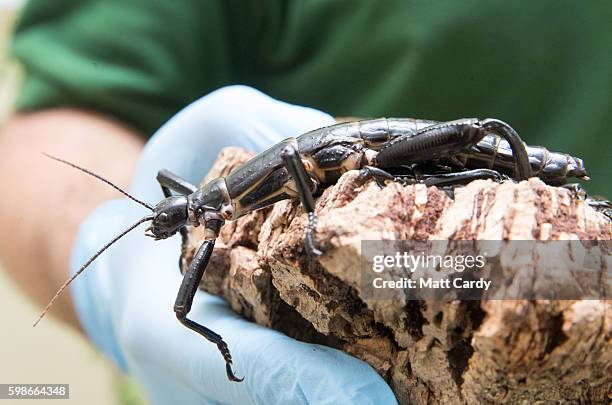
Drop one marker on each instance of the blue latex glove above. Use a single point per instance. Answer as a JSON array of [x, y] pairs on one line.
[[125, 299]]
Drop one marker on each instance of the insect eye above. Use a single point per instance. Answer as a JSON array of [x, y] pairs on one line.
[[163, 217]]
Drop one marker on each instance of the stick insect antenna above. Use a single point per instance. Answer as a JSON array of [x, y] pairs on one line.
[[97, 176], [91, 259]]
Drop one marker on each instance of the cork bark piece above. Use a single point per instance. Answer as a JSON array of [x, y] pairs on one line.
[[430, 352]]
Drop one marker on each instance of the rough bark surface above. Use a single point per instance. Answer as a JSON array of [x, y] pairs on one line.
[[430, 352]]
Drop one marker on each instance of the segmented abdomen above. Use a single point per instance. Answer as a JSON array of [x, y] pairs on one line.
[[552, 167]]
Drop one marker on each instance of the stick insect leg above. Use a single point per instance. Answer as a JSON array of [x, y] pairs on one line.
[[168, 182], [379, 175], [174, 182], [184, 299], [598, 204], [448, 179], [437, 179], [294, 165], [522, 166], [182, 231]]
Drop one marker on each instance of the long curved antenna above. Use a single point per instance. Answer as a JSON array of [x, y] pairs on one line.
[[91, 259], [125, 193]]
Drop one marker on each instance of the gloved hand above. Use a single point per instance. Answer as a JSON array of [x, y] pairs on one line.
[[125, 299]]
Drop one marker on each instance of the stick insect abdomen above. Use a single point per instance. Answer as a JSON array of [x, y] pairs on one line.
[[495, 153]]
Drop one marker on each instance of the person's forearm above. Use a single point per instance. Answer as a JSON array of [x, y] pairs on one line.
[[43, 202]]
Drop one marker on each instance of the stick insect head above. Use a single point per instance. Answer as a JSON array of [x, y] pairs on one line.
[[169, 216]]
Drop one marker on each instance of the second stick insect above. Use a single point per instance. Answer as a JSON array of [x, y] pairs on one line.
[[297, 168]]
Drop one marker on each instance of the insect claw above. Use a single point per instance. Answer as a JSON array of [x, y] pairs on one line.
[[314, 251], [310, 230], [230, 373]]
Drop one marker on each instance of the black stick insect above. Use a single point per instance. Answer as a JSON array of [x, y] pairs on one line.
[[297, 168]]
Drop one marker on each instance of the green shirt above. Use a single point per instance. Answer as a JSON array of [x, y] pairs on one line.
[[545, 67]]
